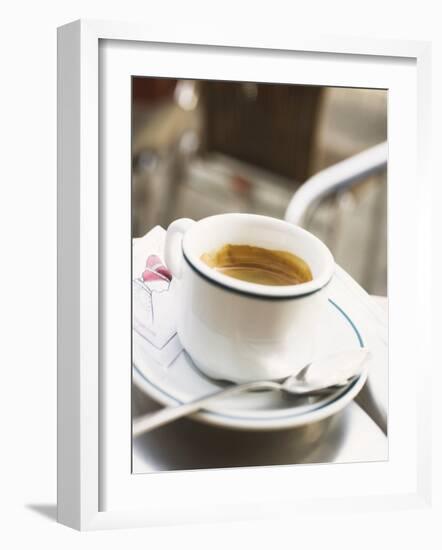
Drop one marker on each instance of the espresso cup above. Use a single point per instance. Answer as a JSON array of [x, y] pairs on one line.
[[237, 330]]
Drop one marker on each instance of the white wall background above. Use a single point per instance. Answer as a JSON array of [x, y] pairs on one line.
[[28, 263]]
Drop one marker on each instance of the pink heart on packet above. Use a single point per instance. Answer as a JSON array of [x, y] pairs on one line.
[[155, 270]]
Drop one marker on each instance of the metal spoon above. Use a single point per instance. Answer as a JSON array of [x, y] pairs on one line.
[[323, 375]]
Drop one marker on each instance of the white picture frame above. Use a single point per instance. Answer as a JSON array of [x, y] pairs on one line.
[[95, 487]]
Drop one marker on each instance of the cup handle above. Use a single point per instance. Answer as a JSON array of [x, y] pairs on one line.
[[173, 252]]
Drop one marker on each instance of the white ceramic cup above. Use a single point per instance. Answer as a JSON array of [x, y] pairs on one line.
[[236, 330]]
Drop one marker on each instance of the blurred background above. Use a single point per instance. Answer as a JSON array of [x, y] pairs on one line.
[[206, 147]]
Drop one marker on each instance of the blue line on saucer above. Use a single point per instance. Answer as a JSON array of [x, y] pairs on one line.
[[358, 334], [222, 415]]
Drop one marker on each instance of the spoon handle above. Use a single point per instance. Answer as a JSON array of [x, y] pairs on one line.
[[154, 420]]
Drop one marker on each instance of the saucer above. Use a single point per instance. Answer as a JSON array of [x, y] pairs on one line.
[[181, 381]]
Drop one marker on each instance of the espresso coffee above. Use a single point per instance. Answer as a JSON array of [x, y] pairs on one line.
[[259, 265]]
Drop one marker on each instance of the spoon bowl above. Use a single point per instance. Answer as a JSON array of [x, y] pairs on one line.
[[333, 371]]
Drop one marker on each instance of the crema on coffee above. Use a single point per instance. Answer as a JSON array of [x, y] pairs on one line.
[[258, 265]]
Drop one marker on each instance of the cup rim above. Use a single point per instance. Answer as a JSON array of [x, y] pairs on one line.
[[256, 290]]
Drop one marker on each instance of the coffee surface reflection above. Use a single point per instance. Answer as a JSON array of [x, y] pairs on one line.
[[258, 265]]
